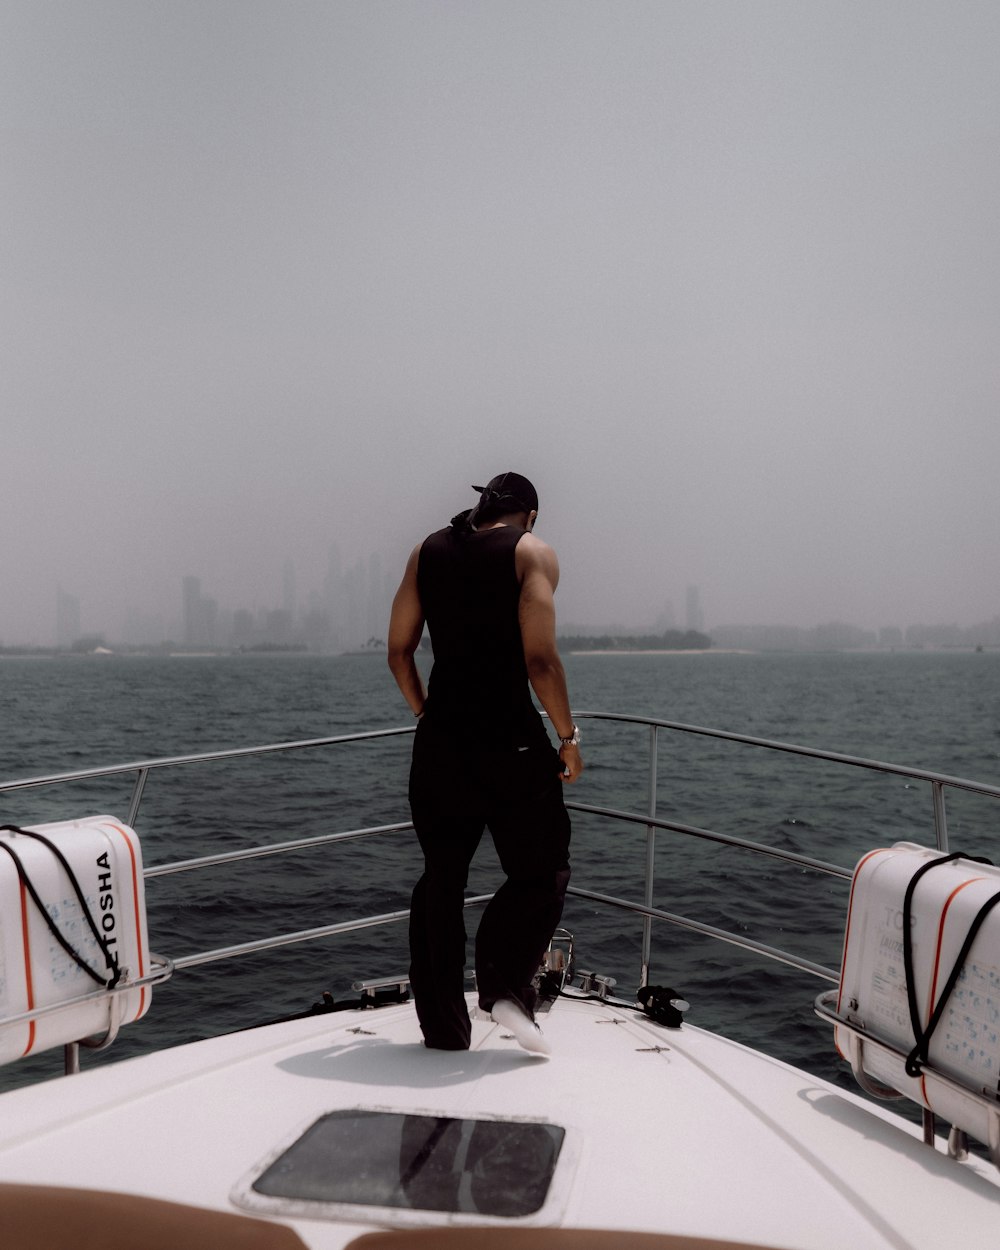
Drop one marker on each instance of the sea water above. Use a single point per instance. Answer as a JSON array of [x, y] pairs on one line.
[[939, 711]]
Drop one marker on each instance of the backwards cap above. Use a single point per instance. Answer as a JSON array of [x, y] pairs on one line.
[[508, 488]]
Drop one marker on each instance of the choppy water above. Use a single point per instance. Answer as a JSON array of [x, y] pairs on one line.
[[937, 711]]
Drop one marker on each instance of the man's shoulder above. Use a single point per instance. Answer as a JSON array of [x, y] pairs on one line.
[[534, 555], [533, 547]]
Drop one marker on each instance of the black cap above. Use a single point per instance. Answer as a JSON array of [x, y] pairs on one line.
[[508, 488]]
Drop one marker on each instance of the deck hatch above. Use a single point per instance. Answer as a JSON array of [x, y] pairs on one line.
[[405, 1161]]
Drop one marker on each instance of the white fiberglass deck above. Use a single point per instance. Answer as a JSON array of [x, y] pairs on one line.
[[670, 1131]]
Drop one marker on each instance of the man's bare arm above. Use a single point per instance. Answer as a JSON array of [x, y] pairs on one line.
[[406, 627], [538, 569]]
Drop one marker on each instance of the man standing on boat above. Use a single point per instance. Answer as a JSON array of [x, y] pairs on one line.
[[482, 757]]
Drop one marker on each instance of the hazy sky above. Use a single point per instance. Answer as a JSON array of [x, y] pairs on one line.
[[722, 278]]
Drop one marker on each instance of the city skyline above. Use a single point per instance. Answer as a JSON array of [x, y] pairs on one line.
[[349, 609]]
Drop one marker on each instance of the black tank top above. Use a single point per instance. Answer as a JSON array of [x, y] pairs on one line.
[[469, 592]]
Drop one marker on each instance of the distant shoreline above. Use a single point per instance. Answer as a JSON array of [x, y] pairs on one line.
[[660, 651], [107, 653]]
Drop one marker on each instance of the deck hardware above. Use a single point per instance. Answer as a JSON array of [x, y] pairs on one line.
[[369, 987], [958, 1143], [556, 970], [663, 1004], [363, 1032], [653, 1050], [594, 983], [383, 992]]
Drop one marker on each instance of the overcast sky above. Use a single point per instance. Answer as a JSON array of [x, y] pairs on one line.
[[722, 278]]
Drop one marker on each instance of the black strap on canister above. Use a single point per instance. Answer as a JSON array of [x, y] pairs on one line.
[[107, 983], [919, 1055]]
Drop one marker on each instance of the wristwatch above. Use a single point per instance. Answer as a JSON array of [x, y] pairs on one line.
[[573, 741]]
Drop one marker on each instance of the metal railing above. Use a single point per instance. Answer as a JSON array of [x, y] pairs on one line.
[[648, 819], [938, 782]]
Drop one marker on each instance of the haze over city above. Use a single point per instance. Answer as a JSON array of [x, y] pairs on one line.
[[722, 279]]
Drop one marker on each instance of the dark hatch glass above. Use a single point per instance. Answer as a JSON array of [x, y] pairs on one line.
[[498, 1168]]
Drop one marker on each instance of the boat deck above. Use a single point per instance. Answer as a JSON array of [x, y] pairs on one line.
[[702, 1137]]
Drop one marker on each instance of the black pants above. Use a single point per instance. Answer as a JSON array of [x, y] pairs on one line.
[[457, 789]]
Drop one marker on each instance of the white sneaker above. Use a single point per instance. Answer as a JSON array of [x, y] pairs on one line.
[[515, 1019]]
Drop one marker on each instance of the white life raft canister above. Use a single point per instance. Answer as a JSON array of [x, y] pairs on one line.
[[100, 859], [951, 898]]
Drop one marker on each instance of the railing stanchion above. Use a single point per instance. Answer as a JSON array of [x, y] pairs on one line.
[[940, 816], [71, 1058], [137, 789], [647, 921]]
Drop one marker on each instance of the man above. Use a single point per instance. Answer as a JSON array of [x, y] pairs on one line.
[[482, 758]]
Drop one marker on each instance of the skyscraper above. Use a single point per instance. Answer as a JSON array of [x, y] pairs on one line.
[[199, 615], [67, 618], [694, 618]]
